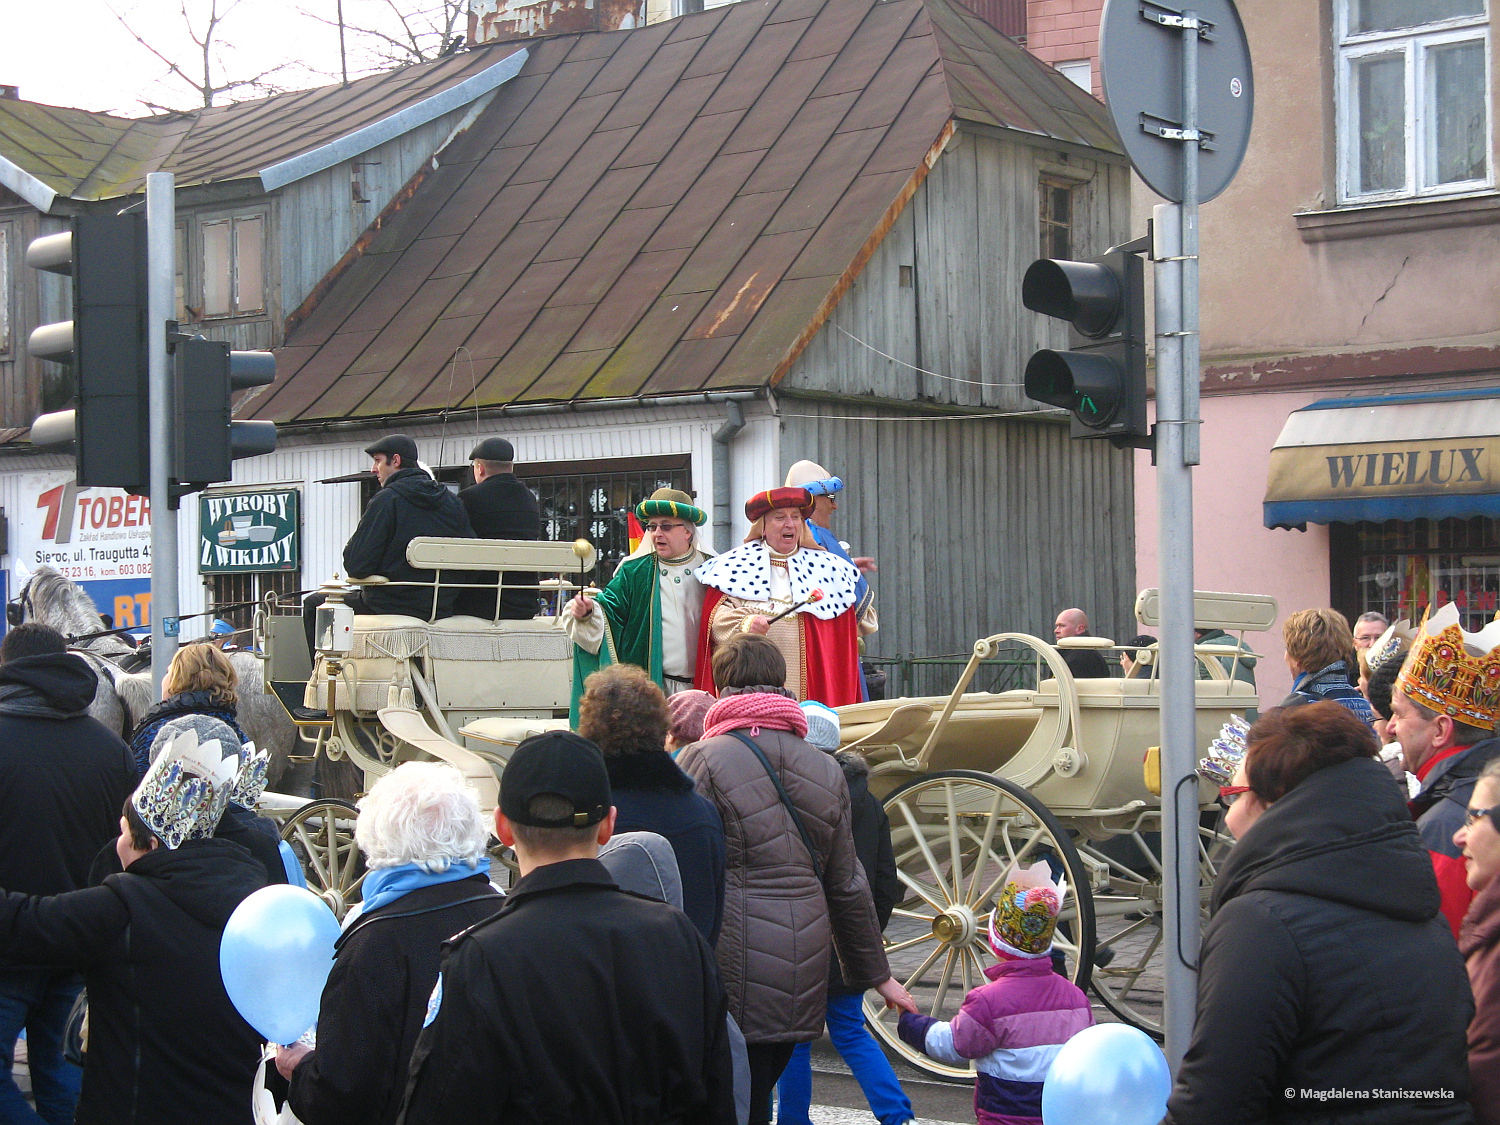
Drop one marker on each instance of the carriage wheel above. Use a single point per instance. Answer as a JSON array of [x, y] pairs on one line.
[[956, 835], [321, 835], [1129, 920]]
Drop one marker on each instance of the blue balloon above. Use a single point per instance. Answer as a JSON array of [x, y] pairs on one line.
[[1108, 1074], [274, 958]]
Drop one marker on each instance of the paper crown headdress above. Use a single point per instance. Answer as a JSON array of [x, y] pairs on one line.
[[1453, 672], [1026, 914], [184, 792], [1226, 752], [1390, 645], [251, 781]]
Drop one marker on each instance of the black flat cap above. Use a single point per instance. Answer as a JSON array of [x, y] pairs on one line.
[[556, 764], [396, 444], [493, 449]]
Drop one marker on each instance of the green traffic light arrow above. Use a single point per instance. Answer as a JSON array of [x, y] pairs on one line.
[[1086, 405]]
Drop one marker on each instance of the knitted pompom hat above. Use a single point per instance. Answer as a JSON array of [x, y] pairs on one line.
[[822, 725]]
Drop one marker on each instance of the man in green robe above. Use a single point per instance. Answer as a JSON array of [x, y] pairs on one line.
[[648, 614]]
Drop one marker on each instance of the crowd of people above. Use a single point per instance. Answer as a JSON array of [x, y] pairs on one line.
[[702, 877]]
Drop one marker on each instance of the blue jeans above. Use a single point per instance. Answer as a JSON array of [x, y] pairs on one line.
[[39, 1001], [872, 1070]]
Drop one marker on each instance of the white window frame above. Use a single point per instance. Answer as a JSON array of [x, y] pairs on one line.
[[1414, 44]]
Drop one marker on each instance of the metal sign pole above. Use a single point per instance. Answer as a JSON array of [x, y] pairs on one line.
[[161, 231], [1176, 453]]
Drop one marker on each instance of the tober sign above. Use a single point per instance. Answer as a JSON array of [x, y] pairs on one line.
[[98, 537]]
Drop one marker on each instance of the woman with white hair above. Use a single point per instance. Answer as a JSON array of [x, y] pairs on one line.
[[424, 839]]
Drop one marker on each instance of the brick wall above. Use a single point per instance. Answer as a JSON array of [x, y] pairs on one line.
[[1065, 30]]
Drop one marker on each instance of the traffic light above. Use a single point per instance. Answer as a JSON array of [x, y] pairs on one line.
[[105, 343], [206, 375], [1101, 379]]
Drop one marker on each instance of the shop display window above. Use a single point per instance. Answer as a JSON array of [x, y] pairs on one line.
[[1403, 568]]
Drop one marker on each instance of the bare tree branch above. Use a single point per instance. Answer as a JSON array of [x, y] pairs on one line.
[[208, 42]]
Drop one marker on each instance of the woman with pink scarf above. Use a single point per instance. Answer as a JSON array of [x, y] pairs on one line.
[[795, 887]]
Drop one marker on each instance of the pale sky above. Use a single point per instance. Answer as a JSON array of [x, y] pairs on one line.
[[76, 53]]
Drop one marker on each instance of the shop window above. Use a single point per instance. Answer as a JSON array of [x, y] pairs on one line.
[[234, 597], [233, 263], [1413, 98], [1405, 568], [1056, 219], [593, 499]]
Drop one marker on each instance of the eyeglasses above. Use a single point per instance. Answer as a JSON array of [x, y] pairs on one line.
[[664, 526], [1493, 812], [1229, 794]]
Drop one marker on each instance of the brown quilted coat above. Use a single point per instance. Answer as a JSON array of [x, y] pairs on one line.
[[774, 945]]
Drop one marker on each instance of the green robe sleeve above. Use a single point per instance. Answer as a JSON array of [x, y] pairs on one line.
[[631, 604]]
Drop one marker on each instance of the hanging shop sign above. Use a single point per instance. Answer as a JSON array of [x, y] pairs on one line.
[[248, 532]]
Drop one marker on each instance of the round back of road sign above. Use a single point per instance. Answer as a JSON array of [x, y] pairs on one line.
[[1140, 59]]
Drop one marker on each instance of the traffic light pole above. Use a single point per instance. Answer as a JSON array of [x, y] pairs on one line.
[[161, 236], [1176, 251]]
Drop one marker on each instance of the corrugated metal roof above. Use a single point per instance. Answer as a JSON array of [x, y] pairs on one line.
[[662, 210], [87, 156]]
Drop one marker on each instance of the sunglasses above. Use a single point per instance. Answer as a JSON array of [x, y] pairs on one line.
[[1229, 794], [1493, 812], [664, 526]]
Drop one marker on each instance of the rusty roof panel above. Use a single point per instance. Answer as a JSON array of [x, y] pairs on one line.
[[747, 286], [726, 241], [754, 71], [724, 47], [667, 209], [871, 44], [478, 191], [654, 83], [838, 240], [627, 370], [610, 255], [630, 55], [705, 200], [671, 177], [764, 123], [827, 178], [789, 157], [564, 377], [618, 313], [687, 366], [591, 217]]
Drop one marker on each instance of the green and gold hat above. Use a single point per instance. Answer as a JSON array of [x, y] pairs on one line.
[[672, 503]]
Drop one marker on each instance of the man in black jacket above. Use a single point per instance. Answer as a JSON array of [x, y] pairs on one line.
[[577, 1001], [500, 507], [63, 778], [410, 503]]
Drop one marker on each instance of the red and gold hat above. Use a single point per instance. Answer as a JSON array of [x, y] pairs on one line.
[[1453, 672], [763, 503]]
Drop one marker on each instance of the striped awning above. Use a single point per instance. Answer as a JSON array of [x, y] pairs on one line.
[[1387, 457]]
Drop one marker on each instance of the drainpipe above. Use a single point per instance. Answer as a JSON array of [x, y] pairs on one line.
[[734, 422]]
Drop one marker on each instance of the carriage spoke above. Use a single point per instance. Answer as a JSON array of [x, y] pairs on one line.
[[902, 912], [924, 966], [920, 839], [922, 891], [942, 989], [955, 861], [311, 850], [908, 944]]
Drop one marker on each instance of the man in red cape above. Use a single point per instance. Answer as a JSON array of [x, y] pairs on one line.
[[781, 567]]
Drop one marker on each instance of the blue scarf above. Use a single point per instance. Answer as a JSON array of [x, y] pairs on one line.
[[385, 885]]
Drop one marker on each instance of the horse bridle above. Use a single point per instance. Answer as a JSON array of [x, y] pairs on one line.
[[17, 608]]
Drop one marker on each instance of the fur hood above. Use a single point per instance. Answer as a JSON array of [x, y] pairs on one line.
[[653, 771], [854, 766]]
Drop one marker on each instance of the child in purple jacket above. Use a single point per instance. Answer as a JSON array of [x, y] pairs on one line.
[[1014, 1026]]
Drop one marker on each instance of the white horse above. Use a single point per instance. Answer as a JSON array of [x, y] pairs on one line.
[[123, 698]]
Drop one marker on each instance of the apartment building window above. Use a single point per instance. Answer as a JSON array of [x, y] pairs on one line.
[[233, 263], [1056, 218], [1413, 98]]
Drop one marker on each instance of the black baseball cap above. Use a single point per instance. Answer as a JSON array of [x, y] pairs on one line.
[[396, 444], [493, 449], [558, 764]]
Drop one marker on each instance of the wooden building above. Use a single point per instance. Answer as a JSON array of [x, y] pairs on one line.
[[697, 251]]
